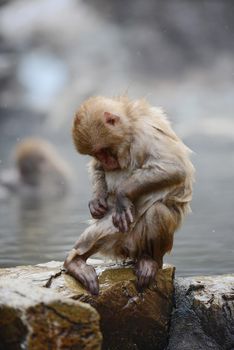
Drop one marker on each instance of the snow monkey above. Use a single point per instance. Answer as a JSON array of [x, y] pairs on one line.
[[39, 170], [142, 184]]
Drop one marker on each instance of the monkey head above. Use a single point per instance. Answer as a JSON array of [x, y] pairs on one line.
[[37, 159], [30, 159], [102, 129]]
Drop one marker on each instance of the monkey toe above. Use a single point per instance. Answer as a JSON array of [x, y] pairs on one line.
[[146, 270], [144, 280], [90, 279], [83, 273], [93, 286]]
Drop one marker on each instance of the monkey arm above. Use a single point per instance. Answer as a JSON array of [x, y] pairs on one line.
[[152, 177], [98, 204], [149, 178]]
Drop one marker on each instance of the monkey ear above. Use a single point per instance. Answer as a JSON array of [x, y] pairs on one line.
[[111, 119], [77, 119]]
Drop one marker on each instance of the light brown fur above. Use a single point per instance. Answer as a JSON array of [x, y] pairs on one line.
[[39, 171], [147, 196]]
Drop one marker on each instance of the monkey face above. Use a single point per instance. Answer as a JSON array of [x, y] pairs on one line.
[[109, 161], [100, 143], [31, 167], [99, 130]]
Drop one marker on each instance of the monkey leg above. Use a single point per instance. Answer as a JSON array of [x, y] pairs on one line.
[[151, 238], [147, 243], [101, 235]]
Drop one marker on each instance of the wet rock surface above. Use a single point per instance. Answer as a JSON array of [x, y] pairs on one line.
[[33, 317], [132, 320], [41, 307], [204, 314], [45, 294]]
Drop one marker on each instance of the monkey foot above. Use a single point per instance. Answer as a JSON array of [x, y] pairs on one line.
[[84, 273], [146, 270]]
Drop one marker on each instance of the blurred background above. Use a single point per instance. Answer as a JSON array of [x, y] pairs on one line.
[[178, 54]]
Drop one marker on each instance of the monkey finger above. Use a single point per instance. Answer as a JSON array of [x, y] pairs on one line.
[[129, 216], [97, 214], [94, 205], [124, 223], [103, 203], [92, 208], [98, 208], [120, 224], [115, 219]]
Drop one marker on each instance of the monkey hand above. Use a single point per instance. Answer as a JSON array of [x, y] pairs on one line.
[[98, 207], [123, 213]]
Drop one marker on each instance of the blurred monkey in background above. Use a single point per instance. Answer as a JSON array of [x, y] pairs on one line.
[[39, 170]]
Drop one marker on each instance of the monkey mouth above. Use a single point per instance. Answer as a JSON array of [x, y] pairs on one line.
[[108, 159]]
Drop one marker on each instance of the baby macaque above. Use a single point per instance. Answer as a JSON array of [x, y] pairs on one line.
[[142, 184], [39, 170]]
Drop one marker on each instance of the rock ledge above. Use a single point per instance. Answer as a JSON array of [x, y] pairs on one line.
[[43, 308]]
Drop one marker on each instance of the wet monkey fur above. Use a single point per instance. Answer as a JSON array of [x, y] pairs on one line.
[[142, 185]]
